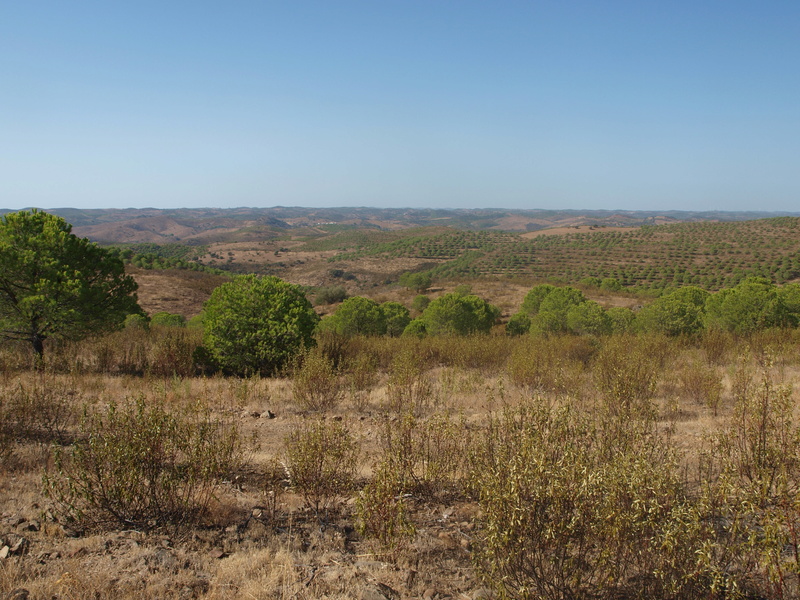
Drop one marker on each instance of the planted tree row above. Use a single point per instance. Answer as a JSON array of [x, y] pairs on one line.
[[706, 254]]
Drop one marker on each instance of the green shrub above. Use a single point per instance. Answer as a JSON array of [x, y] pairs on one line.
[[610, 284], [356, 316], [330, 295], [681, 312], [621, 318], [590, 282], [139, 465], [518, 324], [588, 318], [419, 282], [166, 319], [554, 308], [196, 322], [752, 305], [321, 462], [420, 303], [256, 324], [453, 314], [396, 318], [415, 329], [136, 321], [533, 299]]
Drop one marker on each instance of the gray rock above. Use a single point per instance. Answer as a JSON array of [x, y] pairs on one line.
[[29, 526], [162, 560], [371, 592], [20, 547], [379, 591]]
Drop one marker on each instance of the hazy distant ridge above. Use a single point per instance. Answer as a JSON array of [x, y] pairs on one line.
[[210, 224]]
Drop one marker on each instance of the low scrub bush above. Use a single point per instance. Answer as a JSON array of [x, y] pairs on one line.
[[38, 408], [568, 513], [361, 376], [424, 460], [172, 351], [752, 490], [409, 388], [428, 457], [139, 465], [701, 383], [321, 462], [627, 370], [381, 508], [316, 385], [485, 353], [716, 344], [546, 364], [7, 443]]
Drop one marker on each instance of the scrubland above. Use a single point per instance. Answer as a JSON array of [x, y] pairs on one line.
[[624, 466]]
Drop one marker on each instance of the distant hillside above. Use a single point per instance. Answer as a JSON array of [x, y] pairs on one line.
[[178, 256], [209, 225], [712, 255]]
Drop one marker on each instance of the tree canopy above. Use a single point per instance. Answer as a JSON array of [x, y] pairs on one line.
[[416, 281], [457, 314], [356, 316], [54, 284], [364, 316], [753, 304], [676, 313], [255, 324]]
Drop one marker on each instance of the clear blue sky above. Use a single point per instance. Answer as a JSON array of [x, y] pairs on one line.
[[640, 104]]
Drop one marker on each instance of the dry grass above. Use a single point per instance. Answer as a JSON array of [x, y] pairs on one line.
[[260, 541]]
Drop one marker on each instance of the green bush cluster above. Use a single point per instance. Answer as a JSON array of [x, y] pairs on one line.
[[752, 305], [548, 309], [167, 319], [455, 314], [330, 295], [364, 316]]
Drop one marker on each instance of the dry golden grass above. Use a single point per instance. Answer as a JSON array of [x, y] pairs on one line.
[[259, 541]]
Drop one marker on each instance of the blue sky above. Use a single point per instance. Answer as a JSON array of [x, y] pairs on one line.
[[605, 104]]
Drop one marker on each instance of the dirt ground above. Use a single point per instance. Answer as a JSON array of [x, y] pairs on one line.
[[262, 541]]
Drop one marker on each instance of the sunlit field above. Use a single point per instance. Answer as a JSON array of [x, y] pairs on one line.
[[624, 466]]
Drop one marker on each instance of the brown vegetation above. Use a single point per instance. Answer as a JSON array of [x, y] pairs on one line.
[[638, 467]]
